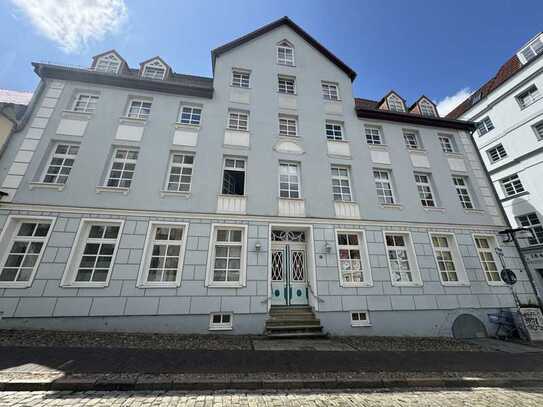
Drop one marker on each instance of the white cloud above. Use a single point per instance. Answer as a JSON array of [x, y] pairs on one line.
[[448, 103], [73, 23]]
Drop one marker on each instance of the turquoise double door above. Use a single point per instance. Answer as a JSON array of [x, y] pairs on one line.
[[289, 273]]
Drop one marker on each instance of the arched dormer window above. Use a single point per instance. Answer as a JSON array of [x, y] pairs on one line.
[[285, 53], [154, 70], [395, 104], [108, 63], [426, 108]]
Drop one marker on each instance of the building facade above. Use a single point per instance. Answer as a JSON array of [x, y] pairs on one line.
[[508, 110], [146, 200]]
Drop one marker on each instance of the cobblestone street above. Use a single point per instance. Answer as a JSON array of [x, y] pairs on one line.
[[529, 397]]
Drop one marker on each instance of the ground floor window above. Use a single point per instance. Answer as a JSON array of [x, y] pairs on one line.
[[226, 265], [352, 258], [448, 258], [486, 246], [401, 259]]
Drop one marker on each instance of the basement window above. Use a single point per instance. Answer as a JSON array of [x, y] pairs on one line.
[[360, 318], [220, 322]]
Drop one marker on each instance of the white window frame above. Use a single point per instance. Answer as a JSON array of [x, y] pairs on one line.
[[125, 161], [286, 124], [466, 187], [80, 241], [369, 133], [191, 122], [241, 78], [340, 178], [427, 109], [364, 258], [237, 117], [328, 92], [360, 322], [447, 143], [222, 326], [412, 143], [286, 48], [512, 185], [140, 115], [91, 99], [244, 170], [500, 154], [484, 125], [395, 103], [530, 225], [8, 236], [182, 165], [336, 129], [382, 180], [148, 252], [64, 157], [110, 60], [460, 269], [493, 243], [538, 130], [533, 50], [411, 257], [528, 96], [152, 69], [421, 185], [289, 190], [289, 85], [211, 256]]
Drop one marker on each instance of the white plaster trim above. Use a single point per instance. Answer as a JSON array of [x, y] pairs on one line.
[[45, 185], [103, 188], [164, 193]]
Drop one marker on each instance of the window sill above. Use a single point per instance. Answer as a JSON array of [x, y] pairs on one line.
[[508, 198], [287, 94], [240, 87], [454, 155], [342, 141], [474, 211], [237, 130], [288, 65], [332, 100], [433, 209], [356, 285], [117, 190], [46, 185], [133, 120], [76, 114], [178, 194], [223, 285], [455, 284], [392, 206], [527, 106], [220, 328], [360, 325], [158, 285], [12, 284], [416, 150], [179, 125], [377, 146], [84, 285], [496, 283], [407, 285]]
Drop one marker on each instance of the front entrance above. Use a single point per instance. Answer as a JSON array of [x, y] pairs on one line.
[[288, 268]]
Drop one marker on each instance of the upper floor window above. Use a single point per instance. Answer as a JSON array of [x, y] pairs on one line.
[[180, 172], [154, 70], [538, 129], [238, 120], [426, 108], [190, 115], [532, 50], [139, 109], [341, 184], [395, 104], [484, 126], [531, 220], [486, 246], [85, 103], [108, 63], [447, 143], [123, 165], [463, 191], [424, 187], [330, 91], [240, 79], [289, 180], [373, 135], [233, 182], [288, 126], [334, 130], [528, 97], [512, 185], [353, 261], [61, 163], [285, 53], [411, 139], [496, 153], [383, 186], [286, 84]]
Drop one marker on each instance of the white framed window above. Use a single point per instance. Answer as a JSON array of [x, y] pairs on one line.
[[411, 139], [360, 318], [240, 78], [164, 253], [123, 165], [286, 84], [227, 255], [383, 186], [373, 135], [108, 64], [463, 191], [426, 108], [61, 162], [330, 91], [512, 185], [496, 153], [401, 259], [190, 115], [447, 143], [139, 109], [448, 259], [180, 172], [395, 104], [532, 221], [484, 126], [538, 129], [220, 321], [85, 103], [529, 96], [154, 70], [285, 53], [238, 120], [24, 240], [289, 180], [532, 49], [353, 258], [424, 188], [334, 130], [233, 181], [341, 183], [93, 255], [288, 126], [486, 249]]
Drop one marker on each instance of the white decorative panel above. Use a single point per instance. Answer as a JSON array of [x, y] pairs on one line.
[[49, 102], [236, 138], [24, 156], [486, 192], [419, 159], [71, 127], [44, 112], [291, 207], [231, 204], [53, 93], [18, 169], [340, 148], [240, 96], [39, 123], [127, 132], [34, 133], [380, 156], [12, 181], [29, 144], [333, 107], [456, 164], [347, 210], [183, 137], [57, 84], [286, 101], [288, 146]]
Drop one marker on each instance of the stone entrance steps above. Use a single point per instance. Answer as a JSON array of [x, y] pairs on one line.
[[293, 322]]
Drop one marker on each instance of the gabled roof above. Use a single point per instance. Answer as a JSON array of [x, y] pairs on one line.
[[154, 58], [111, 51], [296, 28], [419, 99], [390, 92]]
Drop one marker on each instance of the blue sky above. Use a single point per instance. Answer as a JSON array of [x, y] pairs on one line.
[[433, 47]]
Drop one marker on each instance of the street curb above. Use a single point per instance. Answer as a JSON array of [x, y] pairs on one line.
[[80, 384]]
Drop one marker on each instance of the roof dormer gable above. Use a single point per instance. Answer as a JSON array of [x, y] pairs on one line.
[[531, 49], [393, 102], [154, 68], [108, 62], [424, 107]]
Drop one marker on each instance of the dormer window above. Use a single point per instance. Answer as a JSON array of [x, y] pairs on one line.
[[395, 104], [426, 108], [108, 64], [532, 50], [154, 70], [285, 53]]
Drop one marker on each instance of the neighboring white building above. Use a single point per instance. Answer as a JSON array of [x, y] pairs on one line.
[[509, 112]]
